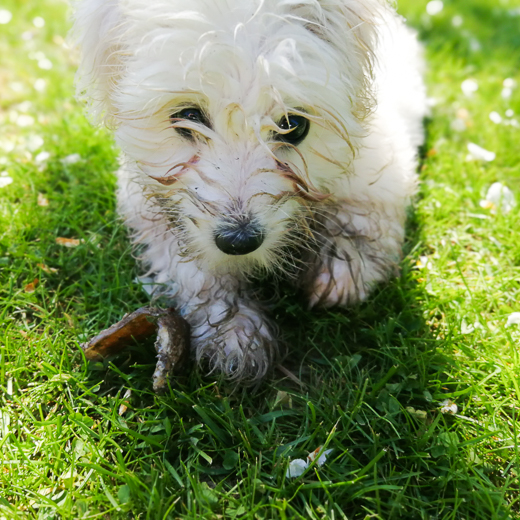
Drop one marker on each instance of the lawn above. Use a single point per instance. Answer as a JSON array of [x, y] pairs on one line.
[[416, 392]]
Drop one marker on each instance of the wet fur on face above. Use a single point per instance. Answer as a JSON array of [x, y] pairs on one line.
[[251, 130]]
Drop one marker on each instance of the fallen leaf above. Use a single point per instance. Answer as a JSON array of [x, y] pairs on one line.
[[124, 406], [420, 414], [283, 400], [70, 321], [31, 287], [171, 344], [69, 242], [42, 200], [47, 269]]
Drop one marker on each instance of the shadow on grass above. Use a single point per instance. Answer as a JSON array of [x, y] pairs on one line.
[[373, 378]]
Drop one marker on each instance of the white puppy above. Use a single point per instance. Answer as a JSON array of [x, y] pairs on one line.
[[256, 135]]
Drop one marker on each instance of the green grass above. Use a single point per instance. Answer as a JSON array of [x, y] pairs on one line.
[[373, 377]]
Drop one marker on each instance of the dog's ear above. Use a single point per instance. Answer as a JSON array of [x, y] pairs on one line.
[[350, 27], [97, 31], [341, 20]]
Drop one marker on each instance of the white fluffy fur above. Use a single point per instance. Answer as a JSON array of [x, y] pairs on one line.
[[350, 66]]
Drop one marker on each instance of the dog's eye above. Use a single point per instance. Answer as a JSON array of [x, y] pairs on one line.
[[298, 127], [194, 115], [190, 114]]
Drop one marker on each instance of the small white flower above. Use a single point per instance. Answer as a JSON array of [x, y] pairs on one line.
[[510, 113], [24, 121], [71, 159], [296, 468], [495, 117], [45, 64], [457, 21], [466, 328], [34, 142], [321, 459], [42, 200], [507, 93], [469, 87], [5, 16], [38, 22], [513, 319], [17, 86], [42, 157], [499, 196], [423, 262], [5, 181], [434, 7], [478, 153], [7, 146], [458, 125], [474, 45], [25, 107], [448, 406], [509, 83], [40, 85]]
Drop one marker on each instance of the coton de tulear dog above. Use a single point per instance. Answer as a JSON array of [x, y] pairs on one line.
[[256, 135]]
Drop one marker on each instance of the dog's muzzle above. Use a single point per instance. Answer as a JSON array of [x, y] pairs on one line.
[[239, 237]]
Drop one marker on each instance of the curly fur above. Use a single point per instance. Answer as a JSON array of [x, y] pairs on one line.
[[350, 67]]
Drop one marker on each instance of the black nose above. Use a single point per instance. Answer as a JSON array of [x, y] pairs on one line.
[[239, 238]]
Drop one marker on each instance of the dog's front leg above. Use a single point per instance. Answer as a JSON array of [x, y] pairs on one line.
[[358, 247], [229, 330]]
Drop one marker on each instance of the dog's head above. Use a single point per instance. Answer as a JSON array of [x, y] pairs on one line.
[[237, 116]]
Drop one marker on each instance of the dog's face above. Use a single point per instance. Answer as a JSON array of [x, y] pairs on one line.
[[236, 116]]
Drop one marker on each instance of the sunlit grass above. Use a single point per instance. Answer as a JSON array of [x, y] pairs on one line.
[[374, 377]]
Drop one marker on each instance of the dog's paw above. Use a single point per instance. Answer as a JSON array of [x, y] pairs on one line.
[[334, 285], [343, 282], [241, 346]]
